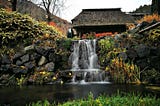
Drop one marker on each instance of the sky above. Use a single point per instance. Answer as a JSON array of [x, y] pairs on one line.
[[74, 7]]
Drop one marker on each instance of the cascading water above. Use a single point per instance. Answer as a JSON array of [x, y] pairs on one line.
[[84, 55], [84, 62]]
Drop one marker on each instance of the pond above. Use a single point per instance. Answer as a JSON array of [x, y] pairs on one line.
[[61, 93]]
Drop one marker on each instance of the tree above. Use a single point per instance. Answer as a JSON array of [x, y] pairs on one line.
[[14, 4], [155, 8], [52, 7]]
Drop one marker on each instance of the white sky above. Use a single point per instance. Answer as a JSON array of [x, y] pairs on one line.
[[74, 7]]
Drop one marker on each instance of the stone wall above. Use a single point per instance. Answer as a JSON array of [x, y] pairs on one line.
[[33, 59]]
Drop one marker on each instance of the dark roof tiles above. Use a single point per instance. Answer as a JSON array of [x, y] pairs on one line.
[[94, 17]]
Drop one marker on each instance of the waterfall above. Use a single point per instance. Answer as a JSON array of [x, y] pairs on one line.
[[84, 62], [84, 55]]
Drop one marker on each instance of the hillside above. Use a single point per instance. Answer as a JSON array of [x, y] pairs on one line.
[[27, 7], [143, 9]]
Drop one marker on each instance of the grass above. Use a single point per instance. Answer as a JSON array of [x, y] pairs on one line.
[[114, 100]]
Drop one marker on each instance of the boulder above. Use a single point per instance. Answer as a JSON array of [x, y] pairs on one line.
[[18, 63], [17, 56], [123, 56], [143, 63], [19, 70], [6, 67], [51, 57], [41, 51], [6, 59], [49, 66], [29, 65], [29, 48], [155, 51], [25, 58], [35, 56], [131, 53], [155, 62], [42, 61], [142, 50]]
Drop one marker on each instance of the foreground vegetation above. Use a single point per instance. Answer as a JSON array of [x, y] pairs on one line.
[[114, 100]]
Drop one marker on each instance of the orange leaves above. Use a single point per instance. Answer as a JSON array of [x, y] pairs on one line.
[[52, 24], [104, 34], [150, 18], [56, 27]]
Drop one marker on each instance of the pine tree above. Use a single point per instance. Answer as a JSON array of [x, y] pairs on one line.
[[155, 8]]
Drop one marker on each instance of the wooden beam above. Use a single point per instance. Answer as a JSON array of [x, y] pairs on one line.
[[149, 27]]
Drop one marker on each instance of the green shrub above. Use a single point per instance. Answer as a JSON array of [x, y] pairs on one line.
[[115, 100], [17, 31], [154, 36], [151, 76], [105, 46]]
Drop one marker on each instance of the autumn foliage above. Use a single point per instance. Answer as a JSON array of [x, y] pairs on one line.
[[149, 18], [55, 26], [104, 34]]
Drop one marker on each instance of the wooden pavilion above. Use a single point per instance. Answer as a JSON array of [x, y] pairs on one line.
[[100, 21]]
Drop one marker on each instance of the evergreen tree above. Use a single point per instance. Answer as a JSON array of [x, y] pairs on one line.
[[155, 8]]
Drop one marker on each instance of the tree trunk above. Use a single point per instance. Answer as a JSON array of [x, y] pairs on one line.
[[14, 5], [48, 17], [158, 7]]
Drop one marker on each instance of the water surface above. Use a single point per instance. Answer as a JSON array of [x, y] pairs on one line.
[[61, 93]]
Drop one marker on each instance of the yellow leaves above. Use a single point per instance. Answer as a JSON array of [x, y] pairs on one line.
[[43, 72], [54, 78], [23, 67], [46, 35], [122, 71], [107, 69]]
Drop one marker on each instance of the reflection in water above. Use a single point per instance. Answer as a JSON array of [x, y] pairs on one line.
[[61, 93]]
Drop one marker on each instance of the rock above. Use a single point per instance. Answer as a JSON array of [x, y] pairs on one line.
[[17, 70], [17, 56], [51, 57], [35, 56], [123, 56], [49, 66], [28, 48], [155, 62], [25, 58], [5, 67], [79, 76], [155, 51], [4, 78], [29, 65], [6, 59], [19, 63], [42, 61], [43, 50], [131, 53], [142, 50], [143, 63]]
